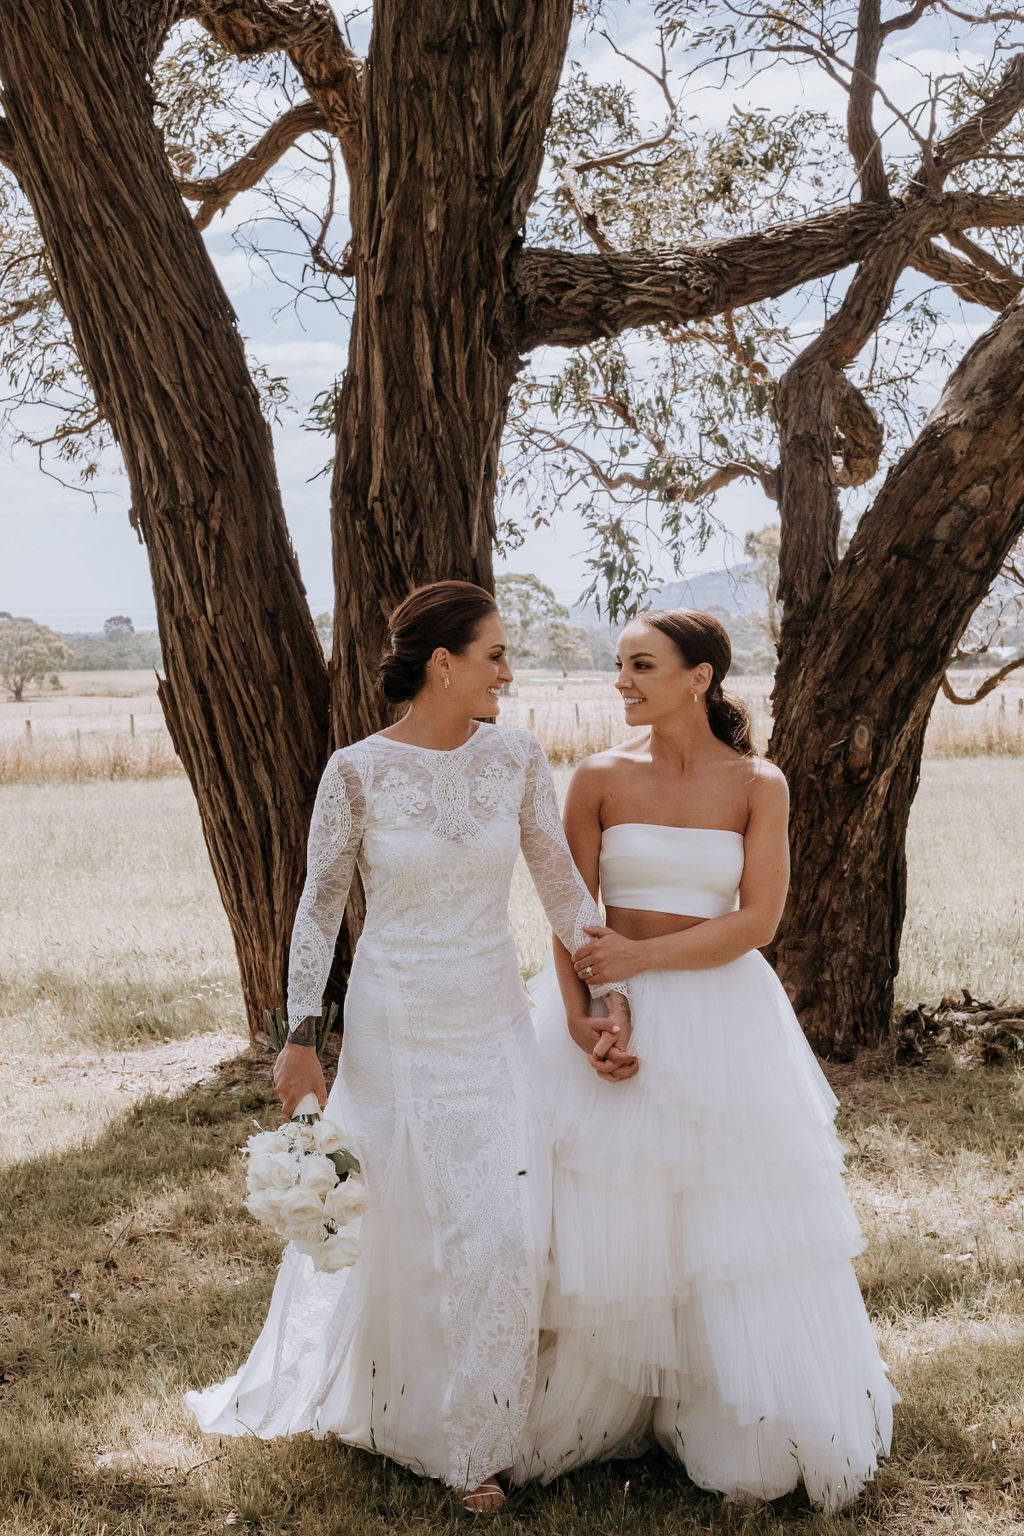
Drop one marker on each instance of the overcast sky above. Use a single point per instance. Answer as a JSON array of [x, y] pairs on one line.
[[71, 564]]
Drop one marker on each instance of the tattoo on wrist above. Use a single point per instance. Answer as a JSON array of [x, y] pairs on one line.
[[305, 1033]]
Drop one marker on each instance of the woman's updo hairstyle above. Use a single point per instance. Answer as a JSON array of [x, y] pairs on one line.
[[444, 613], [698, 636]]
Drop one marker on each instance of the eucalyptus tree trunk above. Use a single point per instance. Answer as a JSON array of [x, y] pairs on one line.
[[457, 99], [245, 695], [854, 690]]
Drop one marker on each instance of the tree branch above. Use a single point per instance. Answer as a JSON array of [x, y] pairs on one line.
[[964, 277], [972, 137], [817, 407], [215, 192], [25, 305], [562, 445], [858, 437], [983, 688], [307, 31], [567, 298], [865, 145], [982, 258], [907, 18], [570, 173], [736, 469]]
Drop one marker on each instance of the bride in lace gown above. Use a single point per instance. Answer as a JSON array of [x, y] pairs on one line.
[[702, 1296], [426, 1349]]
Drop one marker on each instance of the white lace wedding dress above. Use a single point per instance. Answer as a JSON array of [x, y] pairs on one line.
[[426, 1350]]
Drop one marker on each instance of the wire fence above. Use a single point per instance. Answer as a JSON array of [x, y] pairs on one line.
[[88, 736]]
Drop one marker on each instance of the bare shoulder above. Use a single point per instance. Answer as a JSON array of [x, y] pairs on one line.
[[593, 779], [601, 769], [766, 784]]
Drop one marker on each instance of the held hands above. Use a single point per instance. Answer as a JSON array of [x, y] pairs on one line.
[[611, 1057], [297, 1071], [607, 957], [613, 1061], [606, 1040], [588, 1032]]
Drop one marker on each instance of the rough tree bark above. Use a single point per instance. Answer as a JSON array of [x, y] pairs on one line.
[[852, 710], [857, 674], [457, 99], [245, 695]]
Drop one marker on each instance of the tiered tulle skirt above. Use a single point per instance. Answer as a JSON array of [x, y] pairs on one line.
[[702, 1294]]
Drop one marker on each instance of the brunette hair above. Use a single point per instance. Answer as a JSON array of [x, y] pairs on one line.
[[698, 636], [444, 613]]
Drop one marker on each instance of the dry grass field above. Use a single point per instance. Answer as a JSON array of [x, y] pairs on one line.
[[108, 725], [131, 1271]]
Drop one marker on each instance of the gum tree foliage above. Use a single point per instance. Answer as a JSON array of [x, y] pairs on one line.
[[29, 653], [568, 646], [528, 608], [643, 432]]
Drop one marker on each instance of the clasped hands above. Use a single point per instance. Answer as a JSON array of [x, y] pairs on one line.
[[605, 1041], [607, 957]]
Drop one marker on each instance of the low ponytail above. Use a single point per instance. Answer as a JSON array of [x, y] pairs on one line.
[[699, 637], [729, 719]]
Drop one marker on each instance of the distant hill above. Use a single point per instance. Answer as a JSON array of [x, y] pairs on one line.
[[734, 602], [723, 589], [714, 589]]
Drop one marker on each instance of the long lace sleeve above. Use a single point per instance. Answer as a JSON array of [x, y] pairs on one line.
[[335, 832], [563, 891]]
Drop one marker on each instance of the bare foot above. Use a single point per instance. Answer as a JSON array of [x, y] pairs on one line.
[[488, 1498]]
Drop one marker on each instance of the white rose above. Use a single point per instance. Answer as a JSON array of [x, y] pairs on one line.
[[265, 1205], [258, 1174], [317, 1174], [299, 1208], [302, 1136], [346, 1200], [280, 1171], [327, 1136], [338, 1252], [262, 1144], [308, 1239]]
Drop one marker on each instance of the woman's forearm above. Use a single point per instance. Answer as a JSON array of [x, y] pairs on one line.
[[575, 993], [715, 941]]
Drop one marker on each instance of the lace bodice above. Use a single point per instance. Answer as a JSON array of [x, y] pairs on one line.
[[435, 835]]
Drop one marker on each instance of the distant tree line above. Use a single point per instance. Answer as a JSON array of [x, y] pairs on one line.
[[119, 647], [32, 655]]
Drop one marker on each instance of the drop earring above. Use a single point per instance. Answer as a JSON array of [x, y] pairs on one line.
[[695, 698], [447, 680]]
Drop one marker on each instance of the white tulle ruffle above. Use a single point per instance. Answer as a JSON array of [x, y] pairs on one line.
[[701, 1292]]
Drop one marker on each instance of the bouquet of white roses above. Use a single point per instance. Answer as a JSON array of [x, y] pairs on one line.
[[304, 1183]]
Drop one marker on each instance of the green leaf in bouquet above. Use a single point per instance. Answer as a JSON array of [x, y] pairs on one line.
[[344, 1163]]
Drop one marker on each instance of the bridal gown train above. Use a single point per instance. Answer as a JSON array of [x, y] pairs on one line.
[[702, 1295], [426, 1349]]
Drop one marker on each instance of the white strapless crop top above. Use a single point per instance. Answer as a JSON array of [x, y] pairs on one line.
[[692, 871]]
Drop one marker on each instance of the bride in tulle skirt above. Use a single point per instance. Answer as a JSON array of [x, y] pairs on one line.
[[701, 1292]]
